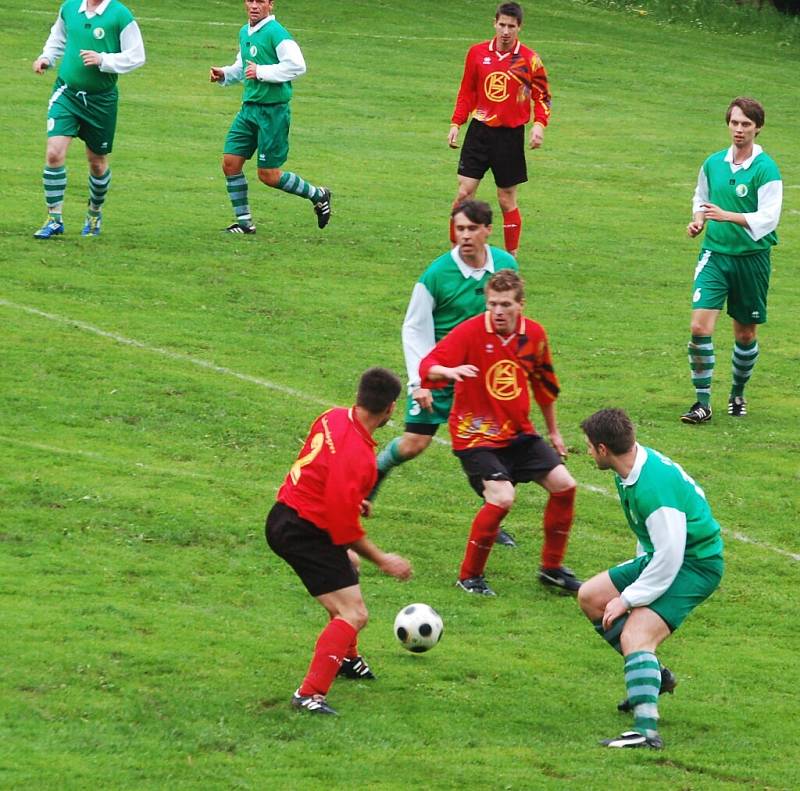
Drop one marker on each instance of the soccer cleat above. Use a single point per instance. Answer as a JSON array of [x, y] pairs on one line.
[[505, 539], [356, 668], [668, 683], [562, 578], [314, 704], [634, 739], [475, 585], [699, 413], [92, 225], [322, 208], [737, 406], [50, 229], [235, 227]]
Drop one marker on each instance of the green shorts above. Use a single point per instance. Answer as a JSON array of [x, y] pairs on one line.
[[743, 279], [90, 116], [442, 404], [264, 127], [695, 582]]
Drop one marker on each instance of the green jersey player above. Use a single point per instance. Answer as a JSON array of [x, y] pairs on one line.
[[267, 62], [98, 41], [738, 201], [636, 605], [449, 291]]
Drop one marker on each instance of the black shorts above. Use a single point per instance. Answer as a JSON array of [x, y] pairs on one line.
[[527, 458], [500, 148], [322, 566]]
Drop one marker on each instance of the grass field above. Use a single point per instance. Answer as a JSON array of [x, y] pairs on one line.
[[157, 383]]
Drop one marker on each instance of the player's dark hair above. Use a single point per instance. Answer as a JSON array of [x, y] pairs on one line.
[[509, 9], [506, 280], [750, 107], [612, 428], [475, 211], [378, 388]]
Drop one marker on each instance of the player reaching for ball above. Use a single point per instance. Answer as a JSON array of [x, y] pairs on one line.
[[316, 522]]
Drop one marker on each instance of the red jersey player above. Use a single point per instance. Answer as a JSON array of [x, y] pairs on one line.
[[494, 358], [317, 518], [502, 81]]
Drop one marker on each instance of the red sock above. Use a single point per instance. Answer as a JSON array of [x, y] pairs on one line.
[[557, 523], [484, 530], [352, 649], [329, 651], [452, 231], [512, 229]]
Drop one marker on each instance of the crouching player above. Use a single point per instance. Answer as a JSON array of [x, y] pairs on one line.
[[317, 518], [637, 605]]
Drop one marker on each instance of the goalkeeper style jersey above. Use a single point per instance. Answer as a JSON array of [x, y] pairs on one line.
[[493, 408], [753, 188], [500, 87], [333, 474], [259, 45], [101, 32]]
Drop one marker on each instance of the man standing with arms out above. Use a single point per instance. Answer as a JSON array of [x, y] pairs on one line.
[[738, 197], [316, 519], [635, 606], [494, 358], [449, 291], [99, 41], [268, 60], [502, 78]]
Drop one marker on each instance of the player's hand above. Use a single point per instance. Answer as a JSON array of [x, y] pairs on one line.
[[616, 608], [424, 398], [452, 137], [558, 443], [395, 566], [537, 136], [460, 372], [91, 58], [694, 228], [366, 508], [251, 71], [216, 74], [41, 65], [713, 212]]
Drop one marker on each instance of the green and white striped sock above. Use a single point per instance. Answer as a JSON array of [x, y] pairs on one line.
[[292, 183], [701, 362], [643, 682], [744, 359], [98, 189], [390, 456], [237, 192], [55, 185]]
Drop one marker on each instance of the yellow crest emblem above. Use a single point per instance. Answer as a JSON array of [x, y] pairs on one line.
[[495, 86], [501, 380]]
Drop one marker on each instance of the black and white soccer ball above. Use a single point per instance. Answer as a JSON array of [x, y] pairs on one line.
[[418, 627]]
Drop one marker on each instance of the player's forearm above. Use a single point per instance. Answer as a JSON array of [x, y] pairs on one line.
[[56, 42], [366, 549], [766, 218], [548, 411], [291, 64], [132, 55]]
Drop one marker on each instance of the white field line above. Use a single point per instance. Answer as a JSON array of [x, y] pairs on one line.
[[257, 380]]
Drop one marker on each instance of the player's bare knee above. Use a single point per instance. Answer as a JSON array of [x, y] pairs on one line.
[[499, 493], [357, 616], [269, 176]]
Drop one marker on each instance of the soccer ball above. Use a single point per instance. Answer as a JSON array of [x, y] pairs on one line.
[[418, 627]]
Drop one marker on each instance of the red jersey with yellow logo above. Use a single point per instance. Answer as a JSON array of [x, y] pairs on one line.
[[334, 472], [500, 87], [493, 408]]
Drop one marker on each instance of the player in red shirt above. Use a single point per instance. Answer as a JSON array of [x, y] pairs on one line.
[[315, 524], [502, 80], [493, 359]]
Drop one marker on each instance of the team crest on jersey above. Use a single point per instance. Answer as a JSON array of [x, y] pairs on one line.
[[501, 380], [99, 33], [254, 50], [741, 190], [495, 86]]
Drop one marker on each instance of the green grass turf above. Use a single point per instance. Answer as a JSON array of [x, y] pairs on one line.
[[157, 383]]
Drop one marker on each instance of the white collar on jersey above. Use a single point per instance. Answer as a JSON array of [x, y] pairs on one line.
[[749, 161], [97, 12], [253, 28], [470, 271], [638, 463]]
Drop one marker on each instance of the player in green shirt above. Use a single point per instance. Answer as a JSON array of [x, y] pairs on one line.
[[637, 605], [738, 201], [99, 41], [267, 62]]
